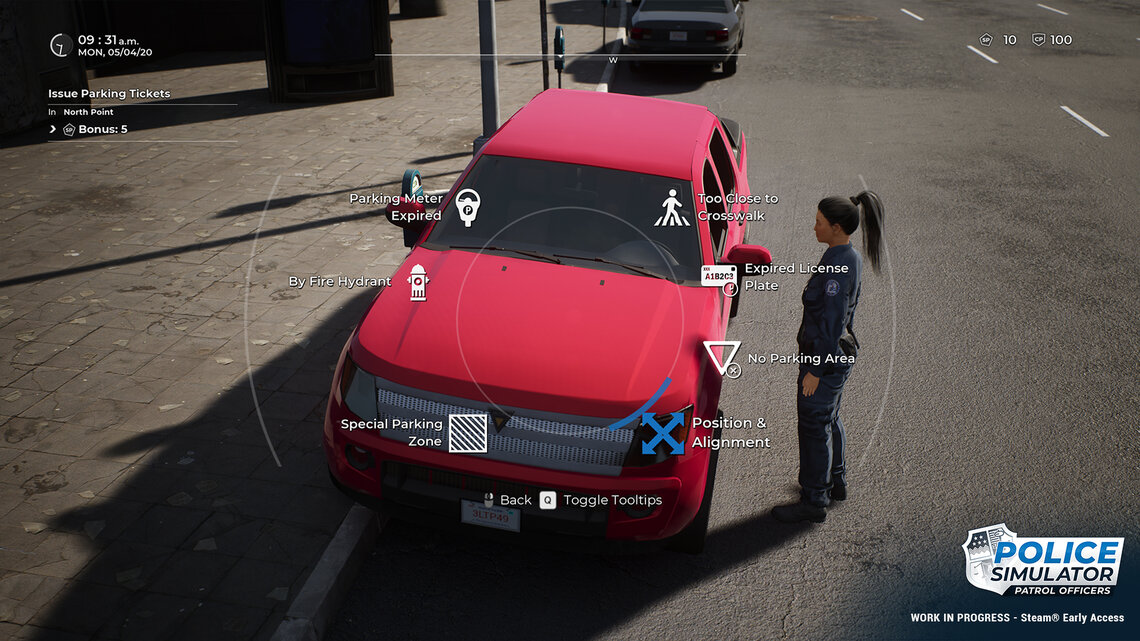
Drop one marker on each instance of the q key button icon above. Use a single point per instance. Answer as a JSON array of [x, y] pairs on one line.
[[547, 500]]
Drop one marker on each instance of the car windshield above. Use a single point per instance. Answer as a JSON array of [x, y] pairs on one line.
[[587, 216], [701, 6]]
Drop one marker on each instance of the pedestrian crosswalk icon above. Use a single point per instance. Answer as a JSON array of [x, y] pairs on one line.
[[671, 218]]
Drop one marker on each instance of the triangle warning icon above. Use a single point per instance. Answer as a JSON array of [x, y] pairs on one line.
[[722, 367]]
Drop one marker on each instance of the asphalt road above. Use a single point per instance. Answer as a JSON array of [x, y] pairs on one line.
[[998, 381]]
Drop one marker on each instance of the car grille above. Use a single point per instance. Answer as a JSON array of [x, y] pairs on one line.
[[528, 438]]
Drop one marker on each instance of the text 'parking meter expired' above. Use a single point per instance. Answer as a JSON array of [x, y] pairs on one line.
[[559, 52]]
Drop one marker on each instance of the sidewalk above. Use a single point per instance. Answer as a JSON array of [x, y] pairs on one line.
[[140, 498]]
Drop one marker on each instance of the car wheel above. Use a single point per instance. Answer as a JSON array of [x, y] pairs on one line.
[[730, 64], [691, 540]]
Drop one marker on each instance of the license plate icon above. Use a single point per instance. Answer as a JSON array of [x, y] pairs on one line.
[[495, 516], [678, 36], [717, 275]]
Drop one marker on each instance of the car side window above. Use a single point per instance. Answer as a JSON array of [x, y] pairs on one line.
[[714, 204], [722, 158]]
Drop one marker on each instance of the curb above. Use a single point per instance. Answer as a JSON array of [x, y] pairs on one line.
[[608, 74], [319, 599], [311, 612]]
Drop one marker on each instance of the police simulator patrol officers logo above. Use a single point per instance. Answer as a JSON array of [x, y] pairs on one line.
[[999, 561]]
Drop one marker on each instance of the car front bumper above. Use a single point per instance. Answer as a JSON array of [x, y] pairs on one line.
[[427, 484]]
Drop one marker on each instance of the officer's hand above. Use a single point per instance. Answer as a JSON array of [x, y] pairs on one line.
[[810, 383]]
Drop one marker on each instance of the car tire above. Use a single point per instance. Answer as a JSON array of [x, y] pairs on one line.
[[691, 540], [730, 64]]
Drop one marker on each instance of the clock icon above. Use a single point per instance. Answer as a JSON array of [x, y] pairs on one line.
[[61, 45]]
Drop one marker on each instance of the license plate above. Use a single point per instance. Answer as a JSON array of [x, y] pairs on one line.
[[500, 518], [679, 36]]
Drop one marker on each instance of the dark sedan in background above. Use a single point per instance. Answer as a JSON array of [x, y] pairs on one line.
[[694, 31]]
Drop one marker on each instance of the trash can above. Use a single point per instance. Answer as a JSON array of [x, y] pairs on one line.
[[422, 8], [328, 49]]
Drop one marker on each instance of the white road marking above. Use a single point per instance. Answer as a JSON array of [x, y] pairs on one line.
[[1084, 122], [975, 50], [913, 15], [1064, 13]]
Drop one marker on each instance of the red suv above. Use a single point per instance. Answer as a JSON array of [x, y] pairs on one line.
[[538, 363]]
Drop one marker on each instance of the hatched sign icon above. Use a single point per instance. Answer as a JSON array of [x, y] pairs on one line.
[[467, 433]]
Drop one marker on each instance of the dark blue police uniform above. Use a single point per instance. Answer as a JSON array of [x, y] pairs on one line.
[[826, 330]]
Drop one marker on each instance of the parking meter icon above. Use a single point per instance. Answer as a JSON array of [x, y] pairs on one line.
[[986, 39], [468, 204]]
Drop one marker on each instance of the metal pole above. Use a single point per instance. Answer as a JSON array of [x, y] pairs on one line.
[[605, 10], [488, 71], [545, 59]]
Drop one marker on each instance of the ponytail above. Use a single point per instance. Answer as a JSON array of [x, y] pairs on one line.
[[845, 212], [872, 208]]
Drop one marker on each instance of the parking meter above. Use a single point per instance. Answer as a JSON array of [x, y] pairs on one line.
[[559, 52], [411, 202], [412, 186]]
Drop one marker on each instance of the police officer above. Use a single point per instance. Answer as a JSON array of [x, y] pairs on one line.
[[827, 349]]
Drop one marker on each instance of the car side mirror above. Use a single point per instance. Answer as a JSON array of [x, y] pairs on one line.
[[409, 215], [748, 255]]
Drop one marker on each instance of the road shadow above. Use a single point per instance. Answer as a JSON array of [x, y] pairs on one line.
[[205, 537], [415, 574], [663, 78], [284, 202]]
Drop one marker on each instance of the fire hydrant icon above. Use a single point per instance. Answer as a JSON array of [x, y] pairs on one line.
[[419, 281]]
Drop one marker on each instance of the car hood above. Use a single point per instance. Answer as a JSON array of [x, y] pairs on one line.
[[537, 335]]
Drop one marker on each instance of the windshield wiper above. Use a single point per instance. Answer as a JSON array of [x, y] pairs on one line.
[[522, 252], [632, 268]]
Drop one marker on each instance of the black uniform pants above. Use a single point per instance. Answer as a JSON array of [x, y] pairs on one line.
[[822, 440]]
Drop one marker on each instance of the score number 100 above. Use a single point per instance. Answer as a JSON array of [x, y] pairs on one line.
[[1054, 39]]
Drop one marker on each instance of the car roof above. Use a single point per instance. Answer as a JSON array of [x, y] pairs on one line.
[[616, 131]]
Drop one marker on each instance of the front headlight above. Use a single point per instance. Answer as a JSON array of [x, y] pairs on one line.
[[358, 389], [651, 445]]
